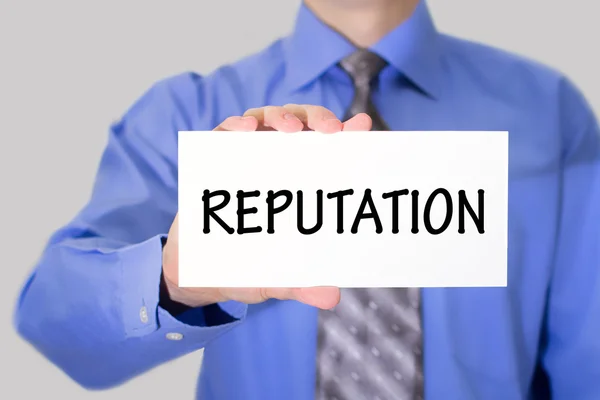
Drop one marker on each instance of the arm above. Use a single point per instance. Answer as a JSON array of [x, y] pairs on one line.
[[100, 303], [572, 354], [92, 304]]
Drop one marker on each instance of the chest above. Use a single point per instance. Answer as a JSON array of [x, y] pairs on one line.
[[466, 330]]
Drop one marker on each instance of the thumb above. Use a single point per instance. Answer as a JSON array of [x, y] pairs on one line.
[[320, 297]]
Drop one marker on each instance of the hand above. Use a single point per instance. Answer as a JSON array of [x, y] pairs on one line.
[[294, 118], [289, 118]]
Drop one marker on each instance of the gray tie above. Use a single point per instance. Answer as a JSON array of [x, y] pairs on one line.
[[363, 67], [370, 344]]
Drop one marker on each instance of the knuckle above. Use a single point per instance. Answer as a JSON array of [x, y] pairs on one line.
[[317, 110], [270, 110], [230, 119], [227, 122], [251, 112], [297, 110], [324, 110], [263, 293]]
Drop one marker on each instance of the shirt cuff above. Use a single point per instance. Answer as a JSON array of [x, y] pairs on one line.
[[141, 270]]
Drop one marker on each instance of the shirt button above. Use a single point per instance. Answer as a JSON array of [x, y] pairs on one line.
[[174, 336], [144, 315]]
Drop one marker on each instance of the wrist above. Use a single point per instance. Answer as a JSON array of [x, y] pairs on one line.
[[168, 300]]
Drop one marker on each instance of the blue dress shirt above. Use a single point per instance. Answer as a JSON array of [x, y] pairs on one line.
[[92, 304]]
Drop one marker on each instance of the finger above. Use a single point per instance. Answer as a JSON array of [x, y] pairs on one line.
[[275, 118], [259, 115], [256, 295], [360, 122], [321, 297], [315, 118], [320, 119], [245, 124], [280, 119], [300, 112]]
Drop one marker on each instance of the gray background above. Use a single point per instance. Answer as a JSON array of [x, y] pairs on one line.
[[69, 68]]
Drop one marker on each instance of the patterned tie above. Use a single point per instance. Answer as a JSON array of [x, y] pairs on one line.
[[370, 344]]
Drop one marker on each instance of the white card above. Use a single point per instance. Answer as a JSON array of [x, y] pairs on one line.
[[434, 237]]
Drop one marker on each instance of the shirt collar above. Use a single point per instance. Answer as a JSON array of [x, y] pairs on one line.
[[413, 48]]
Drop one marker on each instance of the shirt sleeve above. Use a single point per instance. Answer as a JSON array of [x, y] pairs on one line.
[[91, 305], [571, 353]]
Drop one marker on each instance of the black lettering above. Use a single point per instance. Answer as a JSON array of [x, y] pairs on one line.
[[415, 211], [241, 211], [212, 211], [464, 203], [339, 195], [361, 214], [300, 221], [427, 212], [272, 210], [395, 195]]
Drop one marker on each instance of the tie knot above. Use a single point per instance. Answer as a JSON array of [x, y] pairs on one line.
[[363, 65]]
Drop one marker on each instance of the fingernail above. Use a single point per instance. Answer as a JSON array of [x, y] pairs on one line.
[[289, 116]]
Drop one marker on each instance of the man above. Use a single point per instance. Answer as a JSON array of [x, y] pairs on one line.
[[104, 306]]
